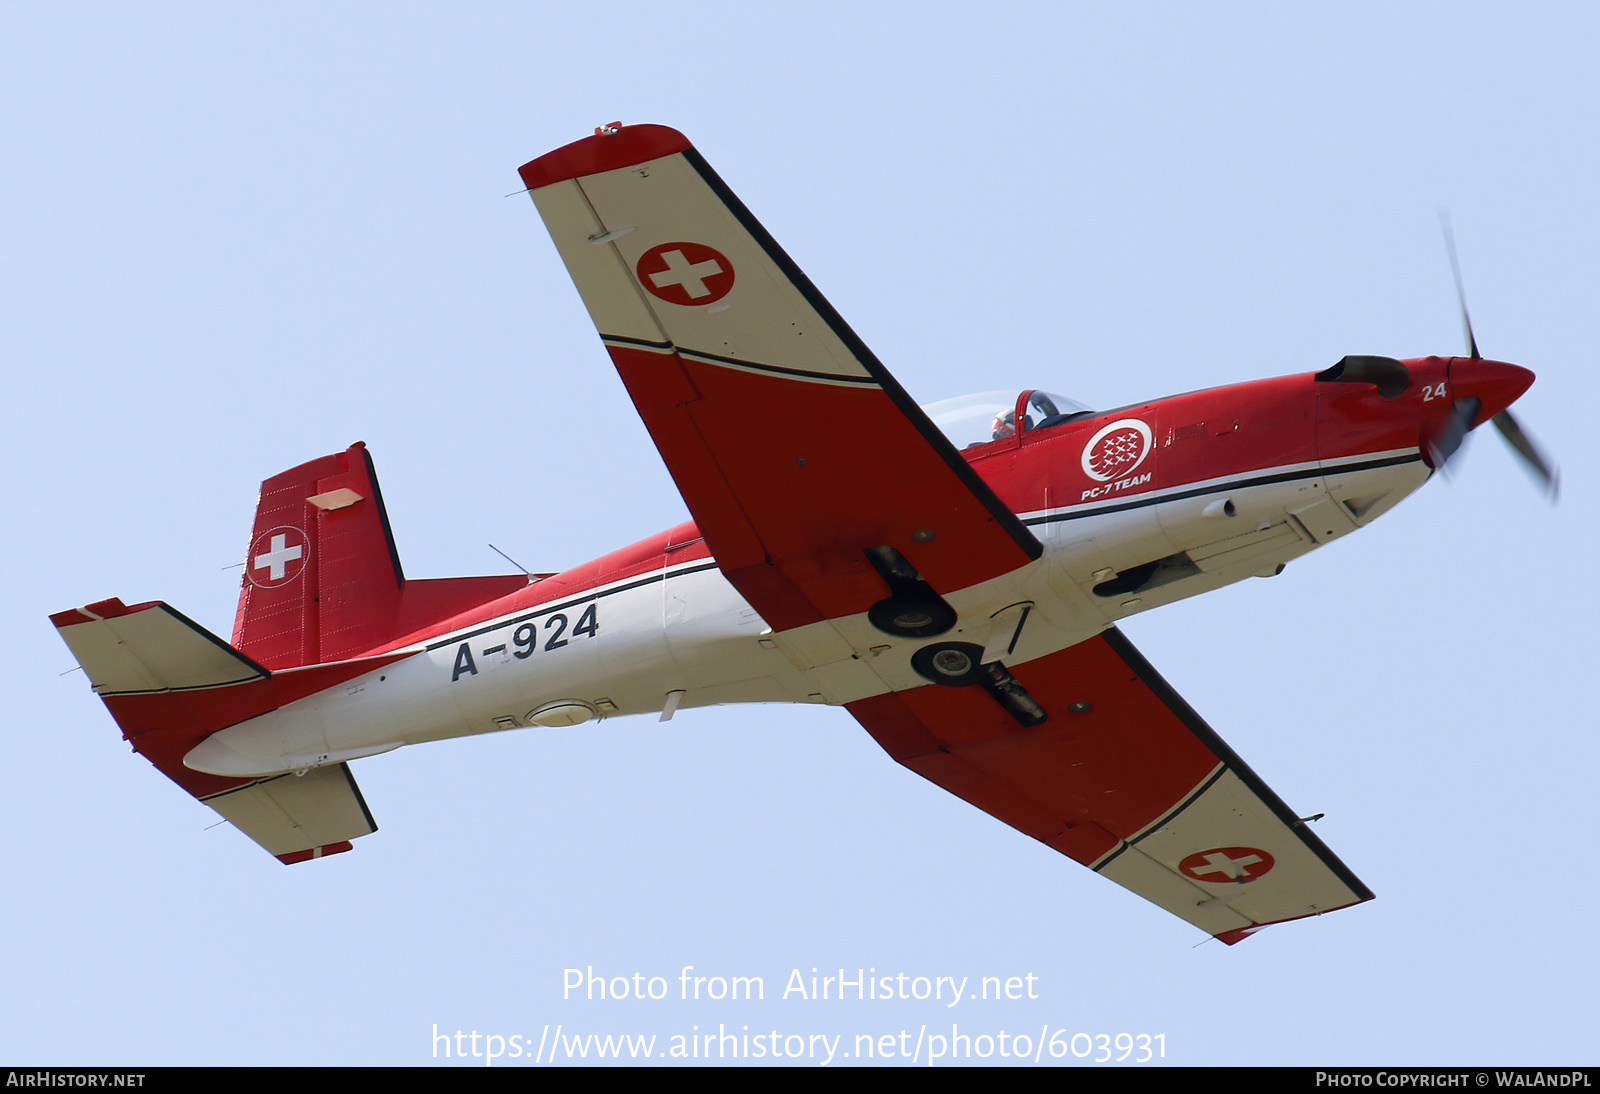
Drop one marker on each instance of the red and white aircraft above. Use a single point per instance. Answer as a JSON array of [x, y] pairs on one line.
[[950, 575]]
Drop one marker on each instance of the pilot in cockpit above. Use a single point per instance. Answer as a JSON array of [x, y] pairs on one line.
[[988, 416], [1005, 425]]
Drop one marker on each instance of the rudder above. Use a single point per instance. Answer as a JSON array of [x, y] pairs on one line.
[[322, 579], [322, 568]]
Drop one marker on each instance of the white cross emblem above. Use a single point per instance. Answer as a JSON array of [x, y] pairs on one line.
[[1218, 862], [276, 560], [690, 276]]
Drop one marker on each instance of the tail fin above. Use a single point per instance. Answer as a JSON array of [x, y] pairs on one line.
[[323, 582], [323, 593]]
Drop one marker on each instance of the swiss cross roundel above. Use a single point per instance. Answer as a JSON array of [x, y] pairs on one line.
[[1116, 450], [277, 556], [691, 274], [1226, 864]]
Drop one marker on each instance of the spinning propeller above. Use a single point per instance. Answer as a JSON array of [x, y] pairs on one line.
[[1447, 438]]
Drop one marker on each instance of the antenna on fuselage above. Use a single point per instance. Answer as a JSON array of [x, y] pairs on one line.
[[511, 560]]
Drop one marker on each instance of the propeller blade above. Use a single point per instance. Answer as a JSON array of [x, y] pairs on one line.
[[1512, 432], [1443, 444], [1461, 292]]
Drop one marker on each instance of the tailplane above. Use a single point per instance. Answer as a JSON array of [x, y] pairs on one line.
[[170, 683]]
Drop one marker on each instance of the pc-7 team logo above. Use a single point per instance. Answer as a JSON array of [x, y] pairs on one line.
[[1117, 450]]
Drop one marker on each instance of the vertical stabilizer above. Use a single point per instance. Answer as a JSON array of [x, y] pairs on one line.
[[322, 571], [322, 579]]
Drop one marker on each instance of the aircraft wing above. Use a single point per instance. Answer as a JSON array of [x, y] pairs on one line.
[[796, 451], [792, 445], [1134, 785]]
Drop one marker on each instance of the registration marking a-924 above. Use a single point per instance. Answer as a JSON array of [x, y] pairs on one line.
[[525, 640]]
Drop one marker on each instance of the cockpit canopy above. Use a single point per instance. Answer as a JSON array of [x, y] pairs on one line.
[[987, 416]]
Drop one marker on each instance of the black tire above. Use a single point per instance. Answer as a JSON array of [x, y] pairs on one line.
[[912, 615], [953, 664]]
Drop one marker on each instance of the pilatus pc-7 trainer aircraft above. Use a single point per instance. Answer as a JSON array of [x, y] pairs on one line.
[[951, 575]]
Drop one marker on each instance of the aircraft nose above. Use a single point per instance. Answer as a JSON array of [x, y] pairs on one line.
[[1495, 384]]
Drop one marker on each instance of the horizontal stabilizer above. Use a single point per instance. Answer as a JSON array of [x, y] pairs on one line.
[[170, 684], [299, 817], [149, 648]]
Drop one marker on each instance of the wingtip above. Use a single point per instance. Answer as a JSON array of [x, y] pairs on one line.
[[70, 618], [607, 150], [315, 852], [109, 608], [1239, 934]]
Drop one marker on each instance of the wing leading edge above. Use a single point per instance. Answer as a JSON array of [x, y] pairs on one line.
[[794, 448], [1128, 780]]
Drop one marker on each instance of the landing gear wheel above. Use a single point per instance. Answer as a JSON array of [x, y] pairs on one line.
[[912, 615], [954, 664]]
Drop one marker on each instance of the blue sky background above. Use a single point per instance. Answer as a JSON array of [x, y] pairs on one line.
[[239, 237]]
